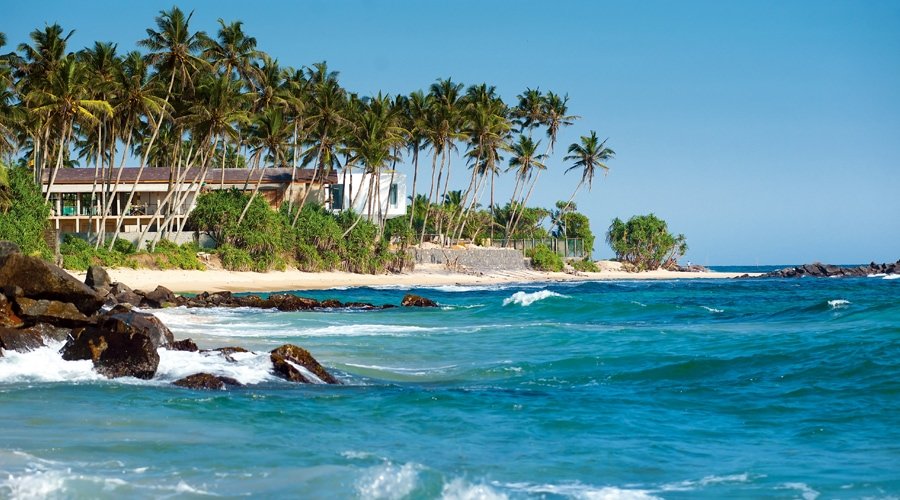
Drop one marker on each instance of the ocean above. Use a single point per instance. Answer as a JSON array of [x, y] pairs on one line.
[[594, 390]]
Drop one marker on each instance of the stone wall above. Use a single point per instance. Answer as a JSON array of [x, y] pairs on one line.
[[475, 259]]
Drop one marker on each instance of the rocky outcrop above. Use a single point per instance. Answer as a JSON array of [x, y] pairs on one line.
[[8, 317], [120, 319], [158, 298], [115, 353], [817, 270], [42, 280], [206, 381], [8, 247], [98, 279], [52, 311], [287, 359], [184, 345], [21, 340], [282, 301], [410, 300]]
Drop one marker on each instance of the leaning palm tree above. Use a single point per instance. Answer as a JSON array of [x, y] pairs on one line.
[[588, 154], [270, 133], [415, 109], [525, 160]]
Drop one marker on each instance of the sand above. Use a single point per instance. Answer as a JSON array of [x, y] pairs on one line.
[[424, 275]]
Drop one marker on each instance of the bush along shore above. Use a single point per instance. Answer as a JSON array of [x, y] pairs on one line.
[[40, 302]]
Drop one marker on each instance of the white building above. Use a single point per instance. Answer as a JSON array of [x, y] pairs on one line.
[[389, 198]]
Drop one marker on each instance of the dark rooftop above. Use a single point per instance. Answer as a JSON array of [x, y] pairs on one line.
[[161, 175]]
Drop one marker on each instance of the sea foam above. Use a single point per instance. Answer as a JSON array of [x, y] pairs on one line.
[[838, 303], [526, 299]]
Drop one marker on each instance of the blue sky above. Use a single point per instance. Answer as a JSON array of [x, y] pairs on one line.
[[766, 132]]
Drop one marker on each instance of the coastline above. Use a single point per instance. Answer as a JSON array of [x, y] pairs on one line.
[[181, 281]]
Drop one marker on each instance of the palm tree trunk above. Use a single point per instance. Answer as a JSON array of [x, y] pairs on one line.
[[525, 200], [255, 190], [115, 190], [179, 198], [59, 156], [360, 215], [430, 197], [412, 208]]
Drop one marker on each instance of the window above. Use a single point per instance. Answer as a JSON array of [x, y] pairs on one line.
[[337, 197], [68, 204], [392, 195], [86, 204]]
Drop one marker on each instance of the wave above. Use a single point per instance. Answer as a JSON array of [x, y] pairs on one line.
[[45, 365], [838, 303], [713, 309], [579, 490], [525, 299]]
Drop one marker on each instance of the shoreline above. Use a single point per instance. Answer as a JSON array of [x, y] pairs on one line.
[[182, 281]]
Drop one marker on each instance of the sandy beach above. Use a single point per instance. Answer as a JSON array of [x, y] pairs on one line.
[[424, 275]]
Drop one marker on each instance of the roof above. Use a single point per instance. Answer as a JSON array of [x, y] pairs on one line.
[[157, 175]]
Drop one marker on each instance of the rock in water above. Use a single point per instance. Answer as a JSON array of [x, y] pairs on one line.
[[118, 346], [41, 280], [121, 319], [98, 279], [158, 298], [206, 381], [184, 345], [288, 357], [410, 300], [20, 340]]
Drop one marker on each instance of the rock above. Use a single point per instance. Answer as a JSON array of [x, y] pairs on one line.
[[115, 353], [121, 319], [128, 297], [20, 340], [410, 300], [184, 345], [8, 317], [290, 302], [228, 351], [288, 357], [8, 247], [158, 298], [41, 280], [206, 381], [117, 288], [52, 311], [50, 332], [98, 279], [331, 304]]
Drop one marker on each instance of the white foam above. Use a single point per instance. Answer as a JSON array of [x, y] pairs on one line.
[[838, 303], [247, 368], [690, 485], [586, 492], [389, 481], [806, 492], [713, 309], [526, 299], [890, 276], [45, 365], [459, 489]]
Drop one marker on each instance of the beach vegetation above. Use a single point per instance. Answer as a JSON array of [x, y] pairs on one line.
[[23, 211], [585, 265], [645, 243], [545, 259]]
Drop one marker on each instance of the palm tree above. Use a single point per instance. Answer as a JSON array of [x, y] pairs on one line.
[[555, 109], [270, 133], [588, 154], [232, 51], [415, 109], [524, 160]]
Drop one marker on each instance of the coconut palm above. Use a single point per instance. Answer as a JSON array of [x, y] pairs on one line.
[[524, 160], [232, 51], [415, 109], [270, 133], [555, 116], [589, 154]]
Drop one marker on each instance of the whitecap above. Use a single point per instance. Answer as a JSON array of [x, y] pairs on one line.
[[458, 489], [838, 303], [806, 492], [526, 299], [389, 481], [45, 365], [689, 485], [638, 303], [713, 309], [891, 276], [582, 491], [247, 368]]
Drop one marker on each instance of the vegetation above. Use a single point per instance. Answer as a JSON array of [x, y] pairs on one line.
[[23, 212], [585, 266], [208, 100], [545, 259], [645, 243]]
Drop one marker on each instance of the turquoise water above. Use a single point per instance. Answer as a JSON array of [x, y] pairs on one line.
[[673, 389]]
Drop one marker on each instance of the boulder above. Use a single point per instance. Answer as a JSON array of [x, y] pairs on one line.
[[158, 298], [206, 381], [41, 280], [8, 247], [124, 320], [8, 317], [410, 300], [228, 351], [52, 311], [128, 297], [184, 345], [290, 302], [23, 340], [50, 332], [98, 279], [115, 353], [287, 358]]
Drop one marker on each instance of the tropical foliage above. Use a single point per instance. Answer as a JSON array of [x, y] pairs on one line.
[[23, 212], [208, 100], [644, 242]]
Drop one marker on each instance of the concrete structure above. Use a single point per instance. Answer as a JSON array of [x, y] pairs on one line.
[[73, 212]]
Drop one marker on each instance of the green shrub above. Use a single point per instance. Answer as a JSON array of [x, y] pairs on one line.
[[124, 246], [168, 255], [78, 254], [544, 259], [586, 265], [645, 242], [235, 259]]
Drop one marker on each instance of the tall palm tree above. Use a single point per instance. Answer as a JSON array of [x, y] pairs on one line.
[[415, 109], [555, 116], [270, 133], [525, 160], [232, 51], [588, 154]]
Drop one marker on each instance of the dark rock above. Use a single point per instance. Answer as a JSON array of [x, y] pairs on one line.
[[331, 304], [206, 381], [410, 300], [158, 298], [359, 305], [290, 302], [128, 297], [51, 311], [121, 319], [184, 345], [20, 340], [50, 332], [114, 352], [8, 317], [818, 270], [98, 279], [8, 247], [41, 280], [228, 351], [285, 357], [117, 288]]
